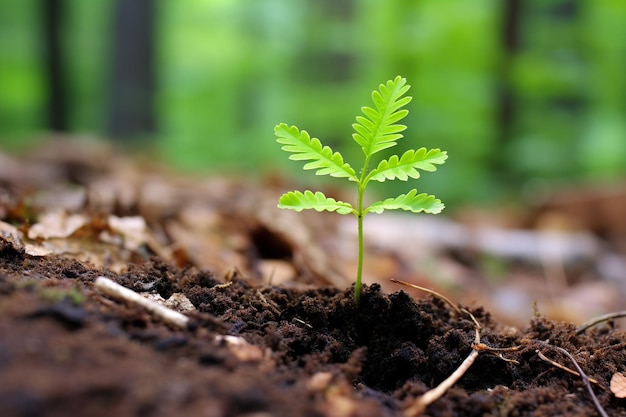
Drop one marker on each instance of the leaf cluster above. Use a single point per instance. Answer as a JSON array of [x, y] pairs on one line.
[[375, 130]]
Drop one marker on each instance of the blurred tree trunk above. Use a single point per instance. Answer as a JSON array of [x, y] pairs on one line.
[[132, 78], [510, 44], [56, 106]]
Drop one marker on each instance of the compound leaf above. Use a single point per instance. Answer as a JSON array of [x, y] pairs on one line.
[[410, 202], [305, 148], [407, 165], [378, 129], [298, 201]]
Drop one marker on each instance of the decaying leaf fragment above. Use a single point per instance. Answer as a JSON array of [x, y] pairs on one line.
[[57, 224], [618, 385]]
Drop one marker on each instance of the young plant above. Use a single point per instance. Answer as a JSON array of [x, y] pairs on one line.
[[376, 130]]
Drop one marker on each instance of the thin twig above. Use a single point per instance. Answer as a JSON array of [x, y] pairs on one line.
[[420, 404], [304, 323], [565, 368], [481, 347], [429, 397], [580, 329], [431, 292], [271, 305], [585, 379], [122, 293], [583, 376]]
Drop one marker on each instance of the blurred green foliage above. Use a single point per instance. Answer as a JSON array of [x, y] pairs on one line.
[[229, 70], [20, 80]]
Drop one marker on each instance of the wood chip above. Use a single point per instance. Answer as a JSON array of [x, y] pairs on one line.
[[121, 293]]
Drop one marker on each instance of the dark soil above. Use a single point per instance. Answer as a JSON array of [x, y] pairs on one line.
[[66, 349], [316, 354]]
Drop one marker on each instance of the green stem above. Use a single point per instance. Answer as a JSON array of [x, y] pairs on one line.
[[359, 217], [359, 270]]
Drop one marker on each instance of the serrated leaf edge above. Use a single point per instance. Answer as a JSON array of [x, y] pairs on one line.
[[403, 202], [317, 201], [407, 165], [378, 129], [303, 147]]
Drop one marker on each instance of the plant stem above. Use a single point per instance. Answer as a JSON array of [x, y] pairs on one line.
[[359, 217], [359, 271]]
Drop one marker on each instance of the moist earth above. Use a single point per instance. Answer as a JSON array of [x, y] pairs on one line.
[[68, 349]]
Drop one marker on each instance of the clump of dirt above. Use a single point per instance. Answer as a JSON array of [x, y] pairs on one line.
[[66, 348]]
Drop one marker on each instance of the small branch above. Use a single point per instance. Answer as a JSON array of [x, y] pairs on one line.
[[481, 347], [585, 379], [122, 293], [580, 329], [434, 394], [565, 368], [431, 292], [582, 375]]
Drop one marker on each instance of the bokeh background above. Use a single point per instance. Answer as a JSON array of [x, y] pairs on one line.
[[522, 94]]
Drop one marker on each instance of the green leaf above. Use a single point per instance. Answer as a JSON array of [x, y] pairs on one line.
[[377, 130], [305, 148], [298, 201], [407, 165], [410, 202]]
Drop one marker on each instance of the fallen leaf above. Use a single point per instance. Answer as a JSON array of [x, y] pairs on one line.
[[618, 385], [37, 250], [57, 224], [132, 230]]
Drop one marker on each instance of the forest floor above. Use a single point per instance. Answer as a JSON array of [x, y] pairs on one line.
[[270, 326]]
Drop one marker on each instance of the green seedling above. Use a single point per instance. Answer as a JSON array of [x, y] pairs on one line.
[[376, 130]]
